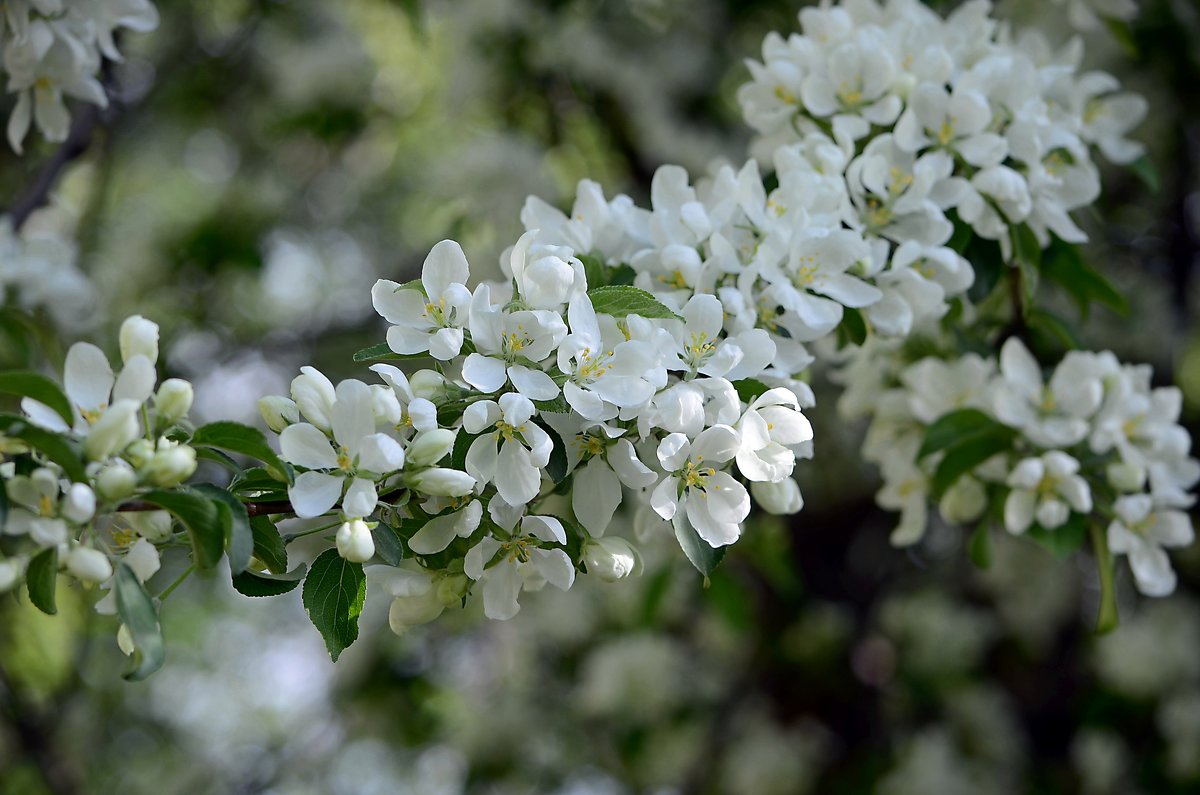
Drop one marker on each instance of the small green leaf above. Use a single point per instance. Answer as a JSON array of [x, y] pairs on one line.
[[239, 538], [40, 388], [243, 439], [556, 405], [268, 544], [704, 557], [954, 428], [749, 388], [333, 596], [387, 544], [200, 517], [979, 548], [1051, 330], [54, 446], [137, 611], [382, 353], [41, 577], [462, 444], [621, 300], [965, 456], [985, 259], [594, 270], [853, 328], [962, 235], [1062, 541], [1063, 264], [258, 583], [216, 456]]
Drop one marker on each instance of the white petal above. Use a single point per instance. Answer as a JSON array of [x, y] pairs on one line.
[[87, 376], [314, 493], [517, 479], [484, 373], [555, 566], [380, 453], [305, 445], [533, 384], [546, 528], [360, 499], [500, 590], [595, 496], [136, 381], [1018, 511], [353, 414]]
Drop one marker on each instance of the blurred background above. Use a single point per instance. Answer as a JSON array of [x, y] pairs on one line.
[[262, 163]]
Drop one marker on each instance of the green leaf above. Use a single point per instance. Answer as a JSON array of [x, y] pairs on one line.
[[1062, 541], [557, 405], [239, 538], [462, 444], [1120, 30], [620, 300], [200, 517], [962, 234], [382, 353], [979, 548], [954, 428], [40, 388], [268, 544], [1063, 264], [749, 388], [962, 458], [704, 557], [985, 259], [54, 446], [258, 583], [243, 439], [594, 270], [1052, 330], [216, 456], [853, 328], [137, 611], [41, 577], [333, 596], [556, 467], [1147, 172], [1027, 253], [387, 544]]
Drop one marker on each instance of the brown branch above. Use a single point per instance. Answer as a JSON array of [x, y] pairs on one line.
[[252, 508], [77, 142]]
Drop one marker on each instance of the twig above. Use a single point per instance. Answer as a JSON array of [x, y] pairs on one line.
[[78, 141], [252, 508]]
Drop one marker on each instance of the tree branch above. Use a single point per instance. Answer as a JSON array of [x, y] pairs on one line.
[[78, 141], [252, 508]]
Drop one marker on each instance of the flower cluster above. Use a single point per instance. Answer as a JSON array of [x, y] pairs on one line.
[[540, 386], [1092, 443], [52, 49], [958, 113], [65, 499], [38, 271]]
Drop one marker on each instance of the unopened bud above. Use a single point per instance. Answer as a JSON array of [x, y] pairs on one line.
[[173, 400], [430, 447], [170, 466], [442, 482], [278, 412], [89, 565], [79, 503], [354, 541], [963, 502], [611, 558], [428, 384], [154, 526], [412, 611], [116, 481], [1125, 476], [778, 498], [139, 337]]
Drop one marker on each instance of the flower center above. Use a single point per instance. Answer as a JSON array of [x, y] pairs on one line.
[[695, 476], [591, 367], [46, 506], [507, 432]]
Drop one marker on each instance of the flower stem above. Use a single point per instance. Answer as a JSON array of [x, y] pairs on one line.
[[1107, 619], [178, 582]]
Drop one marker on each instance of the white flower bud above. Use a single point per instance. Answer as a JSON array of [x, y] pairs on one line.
[[139, 453], [89, 565], [963, 502], [611, 558], [452, 589], [412, 611], [174, 400], [170, 466], [154, 526], [278, 412], [442, 482], [139, 337], [79, 503], [116, 481], [314, 395], [354, 542], [10, 572], [125, 640], [778, 498], [1125, 476], [116, 428], [429, 447], [428, 384]]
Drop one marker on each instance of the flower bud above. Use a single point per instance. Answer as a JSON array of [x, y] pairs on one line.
[[174, 400], [430, 447], [1125, 476], [278, 412], [412, 611], [442, 482], [963, 502], [170, 466], [89, 565], [79, 503], [125, 640], [116, 428], [116, 481], [354, 542], [452, 588], [314, 395], [778, 498], [139, 337], [139, 453], [427, 384], [154, 526], [385, 406], [10, 572], [611, 558]]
